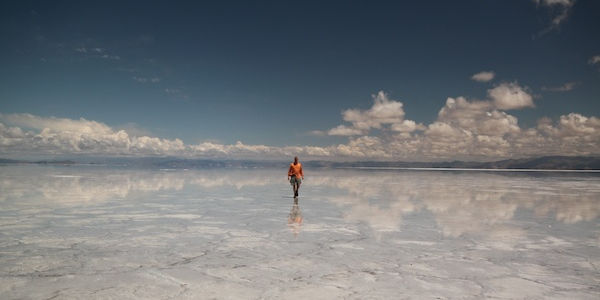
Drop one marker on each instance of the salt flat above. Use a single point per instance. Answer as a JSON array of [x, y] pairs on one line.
[[84, 232]]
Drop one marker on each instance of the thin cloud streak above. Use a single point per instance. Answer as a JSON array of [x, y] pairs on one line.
[[145, 80], [569, 86]]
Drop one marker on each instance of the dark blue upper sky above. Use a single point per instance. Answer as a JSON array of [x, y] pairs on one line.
[[269, 72]]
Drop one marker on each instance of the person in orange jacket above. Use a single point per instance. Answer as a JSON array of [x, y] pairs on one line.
[[295, 175]]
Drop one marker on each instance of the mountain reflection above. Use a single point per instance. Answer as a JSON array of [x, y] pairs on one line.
[[460, 202]]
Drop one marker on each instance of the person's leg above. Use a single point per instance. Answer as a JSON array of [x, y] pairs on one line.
[[297, 188]]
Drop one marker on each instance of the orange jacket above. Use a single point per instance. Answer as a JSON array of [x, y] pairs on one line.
[[296, 170]]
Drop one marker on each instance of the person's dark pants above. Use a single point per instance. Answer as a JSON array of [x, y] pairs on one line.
[[295, 182]]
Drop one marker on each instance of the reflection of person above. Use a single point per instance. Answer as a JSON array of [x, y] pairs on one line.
[[295, 175], [295, 219], [295, 216]]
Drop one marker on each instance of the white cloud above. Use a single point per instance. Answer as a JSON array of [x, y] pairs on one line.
[[483, 76], [30, 121], [479, 129], [508, 96], [30, 134], [362, 147], [478, 117], [134, 129], [573, 133], [384, 111], [62, 135], [407, 126], [562, 88], [594, 60], [344, 130], [464, 129], [459, 110], [574, 125]]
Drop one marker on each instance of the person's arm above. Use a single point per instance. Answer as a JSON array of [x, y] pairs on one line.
[[289, 172], [301, 173]]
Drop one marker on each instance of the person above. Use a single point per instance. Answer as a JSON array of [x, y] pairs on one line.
[[295, 175]]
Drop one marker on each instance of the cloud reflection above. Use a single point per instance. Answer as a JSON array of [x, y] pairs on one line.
[[467, 202]]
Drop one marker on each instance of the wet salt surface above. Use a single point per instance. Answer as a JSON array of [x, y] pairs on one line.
[[100, 232]]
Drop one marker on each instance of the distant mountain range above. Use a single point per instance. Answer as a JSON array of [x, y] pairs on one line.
[[41, 162], [545, 163]]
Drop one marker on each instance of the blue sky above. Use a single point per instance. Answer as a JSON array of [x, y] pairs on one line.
[[280, 75]]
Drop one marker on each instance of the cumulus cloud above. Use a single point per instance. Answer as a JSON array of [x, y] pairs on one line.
[[470, 128], [477, 129], [483, 76], [383, 112], [363, 147], [510, 96], [465, 129], [407, 126], [31, 134], [61, 135], [478, 117]]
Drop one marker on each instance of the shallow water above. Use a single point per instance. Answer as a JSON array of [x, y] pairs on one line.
[[101, 232]]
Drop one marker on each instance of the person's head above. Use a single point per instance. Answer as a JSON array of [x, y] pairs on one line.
[[295, 159]]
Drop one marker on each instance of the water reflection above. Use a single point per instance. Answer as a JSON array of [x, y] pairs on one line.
[[295, 218], [460, 203], [89, 186]]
